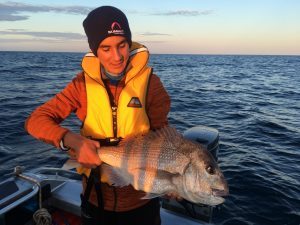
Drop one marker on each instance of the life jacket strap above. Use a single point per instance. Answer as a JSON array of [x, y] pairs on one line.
[[94, 179], [95, 176]]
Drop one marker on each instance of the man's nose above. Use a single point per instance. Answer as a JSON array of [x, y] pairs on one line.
[[117, 56]]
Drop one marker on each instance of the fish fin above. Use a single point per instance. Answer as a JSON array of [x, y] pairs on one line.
[[151, 195], [172, 138], [168, 132], [113, 176], [70, 164]]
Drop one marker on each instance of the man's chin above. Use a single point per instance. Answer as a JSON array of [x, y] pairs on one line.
[[116, 71]]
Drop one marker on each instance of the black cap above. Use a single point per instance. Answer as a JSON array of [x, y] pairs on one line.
[[104, 22]]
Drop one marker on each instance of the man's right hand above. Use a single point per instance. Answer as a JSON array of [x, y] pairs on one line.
[[85, 149]]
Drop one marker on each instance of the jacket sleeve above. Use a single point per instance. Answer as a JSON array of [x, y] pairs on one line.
[[43, 123], [158, 103]]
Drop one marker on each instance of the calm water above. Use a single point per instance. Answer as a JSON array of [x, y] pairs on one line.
[[254, 101]]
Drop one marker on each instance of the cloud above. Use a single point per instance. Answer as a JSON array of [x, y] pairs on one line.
[[52, 36], [148, 42], [9, 17], [184, 13], [154, 34], [10, 11]]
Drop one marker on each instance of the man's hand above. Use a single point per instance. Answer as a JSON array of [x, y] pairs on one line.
[[85, 150]]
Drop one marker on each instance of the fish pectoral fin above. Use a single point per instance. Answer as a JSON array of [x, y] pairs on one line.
[[113, 176], [151, 195]]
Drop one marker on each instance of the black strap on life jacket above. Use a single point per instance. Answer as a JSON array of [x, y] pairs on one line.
[[95, 177]]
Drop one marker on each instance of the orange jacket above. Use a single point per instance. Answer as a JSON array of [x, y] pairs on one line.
[[43, 124]]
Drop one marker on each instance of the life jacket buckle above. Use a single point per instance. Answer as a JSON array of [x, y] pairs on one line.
[[113, 140]]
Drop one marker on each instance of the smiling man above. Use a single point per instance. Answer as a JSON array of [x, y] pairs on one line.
[[113, 53], [115, 96]]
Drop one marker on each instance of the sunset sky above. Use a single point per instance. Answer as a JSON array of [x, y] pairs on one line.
[[164, 26]]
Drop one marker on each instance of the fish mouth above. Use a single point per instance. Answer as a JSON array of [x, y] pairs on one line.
[[219, 193]]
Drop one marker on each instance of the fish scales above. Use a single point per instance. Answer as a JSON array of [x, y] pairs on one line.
[[153, 150]]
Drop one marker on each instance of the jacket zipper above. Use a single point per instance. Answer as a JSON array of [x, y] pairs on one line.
[[115, 130], [114, 112], [114, 117]]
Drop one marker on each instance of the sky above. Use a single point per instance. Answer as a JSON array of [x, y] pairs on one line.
[[259, 27]]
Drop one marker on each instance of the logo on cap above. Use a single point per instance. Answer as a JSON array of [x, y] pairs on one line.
[[116, 29]]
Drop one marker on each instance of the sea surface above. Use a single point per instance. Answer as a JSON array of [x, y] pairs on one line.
[[254, 102]]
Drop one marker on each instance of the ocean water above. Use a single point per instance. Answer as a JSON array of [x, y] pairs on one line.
[[254, 102]]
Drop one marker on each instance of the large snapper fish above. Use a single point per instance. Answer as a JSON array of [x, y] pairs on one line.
[[161, 162]]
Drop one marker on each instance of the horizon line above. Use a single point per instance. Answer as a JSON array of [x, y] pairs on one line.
[[220, 54]]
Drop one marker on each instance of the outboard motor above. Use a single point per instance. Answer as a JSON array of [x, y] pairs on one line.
[[206, 136], [209, 138]]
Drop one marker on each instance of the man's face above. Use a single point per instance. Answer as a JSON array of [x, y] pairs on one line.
[[113, 53]]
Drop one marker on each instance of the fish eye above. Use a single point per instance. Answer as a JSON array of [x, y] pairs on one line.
[[210, 169]]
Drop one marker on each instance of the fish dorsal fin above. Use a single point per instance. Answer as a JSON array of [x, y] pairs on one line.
[[172, 138], [167, 132], [168, 136]]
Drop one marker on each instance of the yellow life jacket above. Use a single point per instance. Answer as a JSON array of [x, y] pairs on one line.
[[129, 117]]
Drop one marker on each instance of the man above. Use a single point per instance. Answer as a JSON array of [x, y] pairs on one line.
[[116, 95]]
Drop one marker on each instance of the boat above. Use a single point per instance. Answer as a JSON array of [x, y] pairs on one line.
[[46, 194]]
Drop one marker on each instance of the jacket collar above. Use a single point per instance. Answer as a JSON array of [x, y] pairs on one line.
[[138, 60]]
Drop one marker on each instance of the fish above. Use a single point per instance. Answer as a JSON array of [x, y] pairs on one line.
[[161, 162]]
